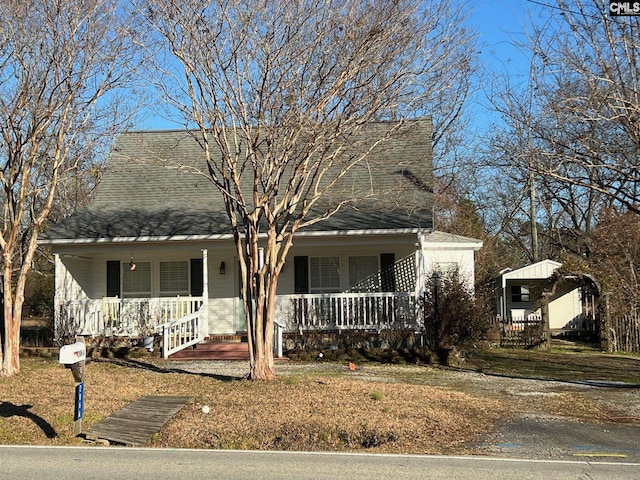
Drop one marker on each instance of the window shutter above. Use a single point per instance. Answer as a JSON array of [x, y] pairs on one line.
[[388, 275], [197, 285], [113, 278], [301, 274]]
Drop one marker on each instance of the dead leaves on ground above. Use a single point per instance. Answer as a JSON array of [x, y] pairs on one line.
[[296, 412]]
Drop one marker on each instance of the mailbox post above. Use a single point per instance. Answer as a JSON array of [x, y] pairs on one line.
[[73, 357]]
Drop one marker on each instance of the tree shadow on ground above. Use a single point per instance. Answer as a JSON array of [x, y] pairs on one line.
[[130, 363], [592, 369], [591, 383], [8, 409]]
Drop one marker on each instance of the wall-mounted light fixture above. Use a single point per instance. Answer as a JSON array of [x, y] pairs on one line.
[[223, 268], [132, 265]]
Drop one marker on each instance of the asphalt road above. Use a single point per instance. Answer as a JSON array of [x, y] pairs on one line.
[[112, 463], [543, 437]]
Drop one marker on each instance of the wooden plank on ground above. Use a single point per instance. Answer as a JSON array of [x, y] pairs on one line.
[[136, 423]]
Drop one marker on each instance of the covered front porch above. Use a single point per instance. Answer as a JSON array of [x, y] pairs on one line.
[[123, 317], [181, 320], [348, 311], [189, 290]]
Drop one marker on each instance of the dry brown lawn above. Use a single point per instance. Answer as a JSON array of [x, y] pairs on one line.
[[307, 412], [380, 408]]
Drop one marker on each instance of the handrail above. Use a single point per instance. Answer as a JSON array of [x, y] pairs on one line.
[[181, 333]]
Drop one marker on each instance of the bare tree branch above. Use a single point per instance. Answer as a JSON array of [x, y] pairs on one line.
[[63, 65], [277, 94]]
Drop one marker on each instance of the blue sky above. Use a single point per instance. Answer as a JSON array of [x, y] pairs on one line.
[[499, 23]]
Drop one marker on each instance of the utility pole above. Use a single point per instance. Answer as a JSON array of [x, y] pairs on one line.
[[532, 214]]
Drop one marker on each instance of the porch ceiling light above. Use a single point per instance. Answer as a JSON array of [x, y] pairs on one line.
[[223, 268], [132, 265]]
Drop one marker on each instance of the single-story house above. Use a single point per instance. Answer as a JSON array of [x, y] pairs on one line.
[[154, 246], [520, 290]]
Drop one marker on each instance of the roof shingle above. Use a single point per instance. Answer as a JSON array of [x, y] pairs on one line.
[[149, 189]]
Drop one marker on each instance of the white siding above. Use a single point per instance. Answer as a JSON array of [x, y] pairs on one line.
[[540, 270], [73, 277], [82, 268], [565, 309], [442, 259]]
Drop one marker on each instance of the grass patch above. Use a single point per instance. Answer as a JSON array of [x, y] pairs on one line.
[[298, 412], [561, 365], [325, 413], [381, 407], [377, 396]]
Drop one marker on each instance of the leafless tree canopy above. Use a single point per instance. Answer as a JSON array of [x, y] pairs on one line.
[[571, 143], [586, 88], [64, 66], [281, 88]]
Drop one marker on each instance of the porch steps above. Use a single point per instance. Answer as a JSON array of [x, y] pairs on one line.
[[227, 347]]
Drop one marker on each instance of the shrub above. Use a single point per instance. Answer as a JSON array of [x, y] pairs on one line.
[[460, 317]]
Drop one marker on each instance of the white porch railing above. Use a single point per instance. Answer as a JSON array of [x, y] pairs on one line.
[[113, 316], [182, 333], [521, 331], [348, 311]]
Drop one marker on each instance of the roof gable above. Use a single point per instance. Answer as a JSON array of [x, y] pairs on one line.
[[150, 188], [537, 271]]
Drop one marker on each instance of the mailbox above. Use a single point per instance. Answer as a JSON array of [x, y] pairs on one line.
[[74, 353]]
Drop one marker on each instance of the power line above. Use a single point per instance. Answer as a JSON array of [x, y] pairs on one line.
[[565, 10]]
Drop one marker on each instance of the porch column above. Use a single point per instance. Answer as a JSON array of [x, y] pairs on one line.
[[57, 300], [205, 293], [421, 267]]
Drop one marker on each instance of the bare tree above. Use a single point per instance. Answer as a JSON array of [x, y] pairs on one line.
[[571, 130], [277, 92], [64, 65], [588, 88], [535, 212], [616, 259]]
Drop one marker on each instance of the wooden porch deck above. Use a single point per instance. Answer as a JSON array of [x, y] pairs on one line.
[[214, 351], [136, 423]]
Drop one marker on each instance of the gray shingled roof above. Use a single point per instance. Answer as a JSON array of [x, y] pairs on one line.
[[143, 194]]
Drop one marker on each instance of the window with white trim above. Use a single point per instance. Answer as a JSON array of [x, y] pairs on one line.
[[174, 278], [324, 274], [137, 282], [520, 293]]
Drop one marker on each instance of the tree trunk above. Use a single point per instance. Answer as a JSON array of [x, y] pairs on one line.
[[262, 367], [11, 334], [261, 272]]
